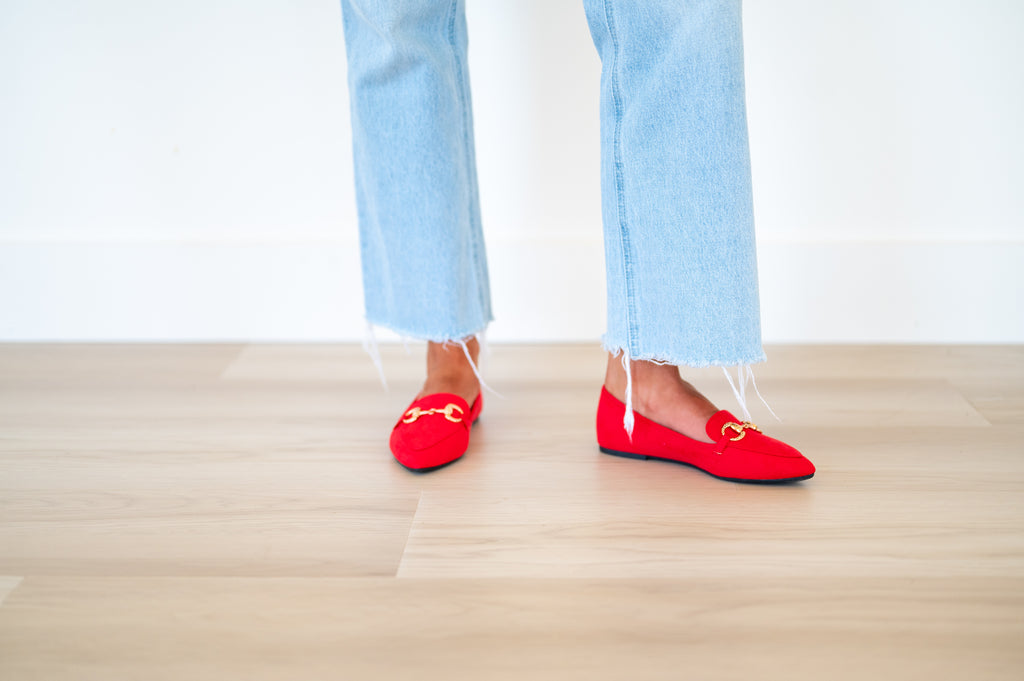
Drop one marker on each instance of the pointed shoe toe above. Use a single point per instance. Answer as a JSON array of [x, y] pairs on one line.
[[434, 431], [740, 451]]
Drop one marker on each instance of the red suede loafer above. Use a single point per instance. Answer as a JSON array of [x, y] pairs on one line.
[[740, 451], [434, 431]]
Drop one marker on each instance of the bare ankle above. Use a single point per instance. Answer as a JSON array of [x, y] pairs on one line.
[[452, 354], [661, 394], [449, 369]]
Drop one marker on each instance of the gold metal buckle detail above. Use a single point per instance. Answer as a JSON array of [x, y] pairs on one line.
[[740, 428], [448, 411]]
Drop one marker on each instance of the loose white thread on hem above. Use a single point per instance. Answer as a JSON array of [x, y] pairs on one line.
[[485, 349], [476, 371], [740, 392], [628, 419], [750, 372], [370, 346], [739, 389]]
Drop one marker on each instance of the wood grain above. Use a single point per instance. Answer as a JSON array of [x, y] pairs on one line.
[[232, 511], [319, 628]]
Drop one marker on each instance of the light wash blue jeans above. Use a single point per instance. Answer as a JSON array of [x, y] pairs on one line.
[[675, 176]]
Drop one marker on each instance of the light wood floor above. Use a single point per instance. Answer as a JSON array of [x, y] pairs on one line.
[[232, 512]]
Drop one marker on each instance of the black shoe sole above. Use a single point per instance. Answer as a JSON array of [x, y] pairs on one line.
[[429, 469], [630, 455]]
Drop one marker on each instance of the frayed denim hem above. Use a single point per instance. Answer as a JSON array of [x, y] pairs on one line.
[[370, 346], [744, 373]]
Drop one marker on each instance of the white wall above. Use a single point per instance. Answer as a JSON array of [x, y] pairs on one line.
[[182, 170]]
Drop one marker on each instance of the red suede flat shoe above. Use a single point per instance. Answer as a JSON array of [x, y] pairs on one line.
[[740, 451], [434, 431]]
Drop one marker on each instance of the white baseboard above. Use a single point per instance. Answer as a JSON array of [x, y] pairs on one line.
[[893, 292], [861, 292]]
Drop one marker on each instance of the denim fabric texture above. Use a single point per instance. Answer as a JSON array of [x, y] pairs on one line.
[[421, 245], [675, 182], [675, 176]]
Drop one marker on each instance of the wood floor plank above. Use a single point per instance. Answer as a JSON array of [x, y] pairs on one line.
[[232, 511], [321, 362], [1000, 399], [586, 629], [618, 519], [192, 532], [8, 584], [96, 365]]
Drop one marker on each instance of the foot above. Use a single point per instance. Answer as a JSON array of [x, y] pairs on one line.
[[739, 451], [448, 370], [661, 395], [434, 430]]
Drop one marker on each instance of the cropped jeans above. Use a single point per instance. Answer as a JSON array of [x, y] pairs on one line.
[[676, 195]]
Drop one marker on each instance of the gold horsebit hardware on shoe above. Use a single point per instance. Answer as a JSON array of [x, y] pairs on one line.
[[416, 412], [740, 428]]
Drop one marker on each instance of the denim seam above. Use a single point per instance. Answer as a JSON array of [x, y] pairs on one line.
[[369, 220], [624, 243], [474, 228]]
